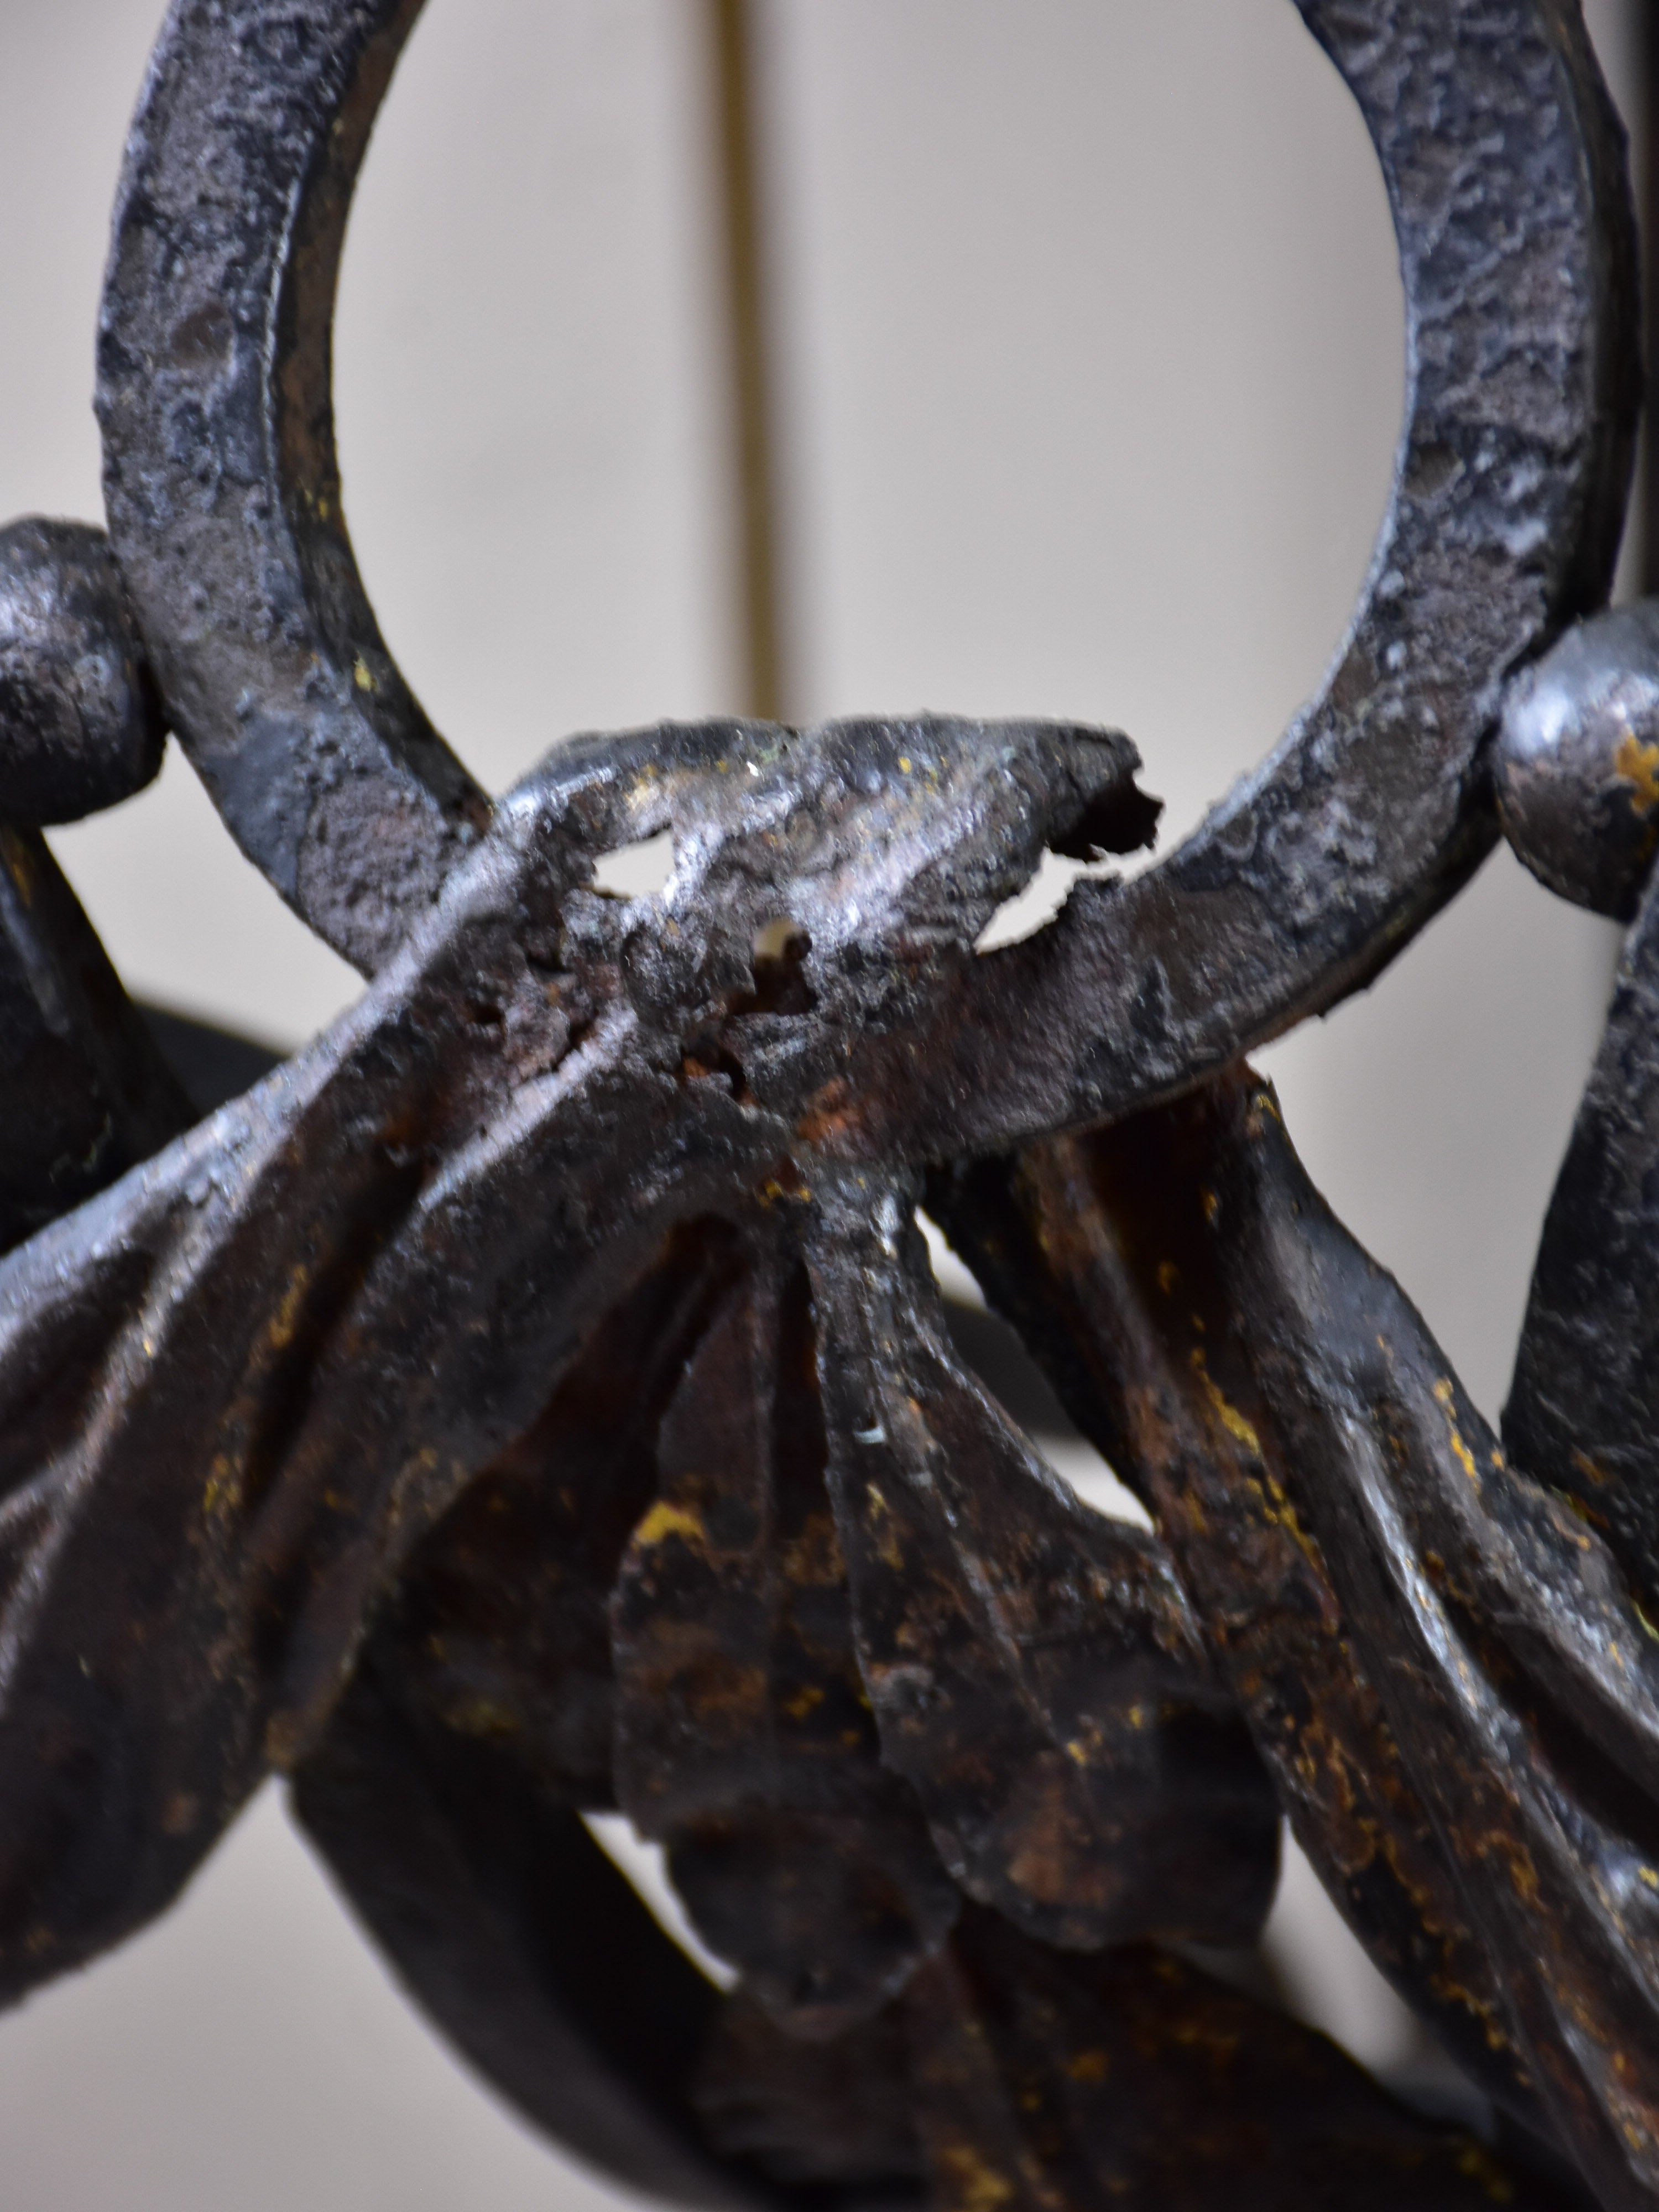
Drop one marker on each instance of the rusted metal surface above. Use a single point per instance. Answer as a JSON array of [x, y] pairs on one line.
[[1029, 2076], [534, 1399], [1449, 1672]]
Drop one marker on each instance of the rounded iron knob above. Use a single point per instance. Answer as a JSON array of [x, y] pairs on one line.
[[80, 725], [1577, 761]]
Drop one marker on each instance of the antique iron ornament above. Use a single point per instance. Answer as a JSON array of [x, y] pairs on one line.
[[534, 1398]]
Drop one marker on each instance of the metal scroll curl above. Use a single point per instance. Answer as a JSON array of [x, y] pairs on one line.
[[533, 1398]]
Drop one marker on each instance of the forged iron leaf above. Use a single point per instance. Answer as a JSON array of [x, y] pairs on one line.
[[743, 1737], [1029, 2077], [1036, 1673], [236, 1394], [812, 2112], [1041, 1233], [499, 1626], [344, 1296], [1282, 1377], [1128, 2078], [236, 1387]]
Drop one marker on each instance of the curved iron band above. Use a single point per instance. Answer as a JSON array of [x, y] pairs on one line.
[[507, 1923], [1504, 165], [220, 479]]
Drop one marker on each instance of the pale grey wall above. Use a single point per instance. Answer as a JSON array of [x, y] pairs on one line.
[[1091, 380]]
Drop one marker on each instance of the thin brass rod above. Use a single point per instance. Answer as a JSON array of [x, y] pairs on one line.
[[749, 330]]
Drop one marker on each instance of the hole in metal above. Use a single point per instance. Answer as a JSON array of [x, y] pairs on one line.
[[1030, 909], [638, 871], [777, 960]]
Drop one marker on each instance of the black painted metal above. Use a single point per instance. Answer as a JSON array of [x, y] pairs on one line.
[[1504, 167], [220, 479], [532, 1398]]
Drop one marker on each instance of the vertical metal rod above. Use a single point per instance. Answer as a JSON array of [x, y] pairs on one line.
[[730, 36]]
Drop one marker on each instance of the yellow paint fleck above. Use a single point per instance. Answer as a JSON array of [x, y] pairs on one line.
[[1647, 1874], [904, 765], [1639, 765], [805, 1701], [222, 1490], [1212, 1207], [1478, 2164], [1167, 1276], [888, 1547], [279, 1330], [1240, 1430], [665, 1520], [978, 2187], [360, 676], [1524, 1875], [1445, 1397], [1088, 2066]]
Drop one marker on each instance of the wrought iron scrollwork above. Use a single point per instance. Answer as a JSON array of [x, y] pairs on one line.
[[534, 1398]]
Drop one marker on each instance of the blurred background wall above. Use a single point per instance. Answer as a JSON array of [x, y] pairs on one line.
[[1087, 375]]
